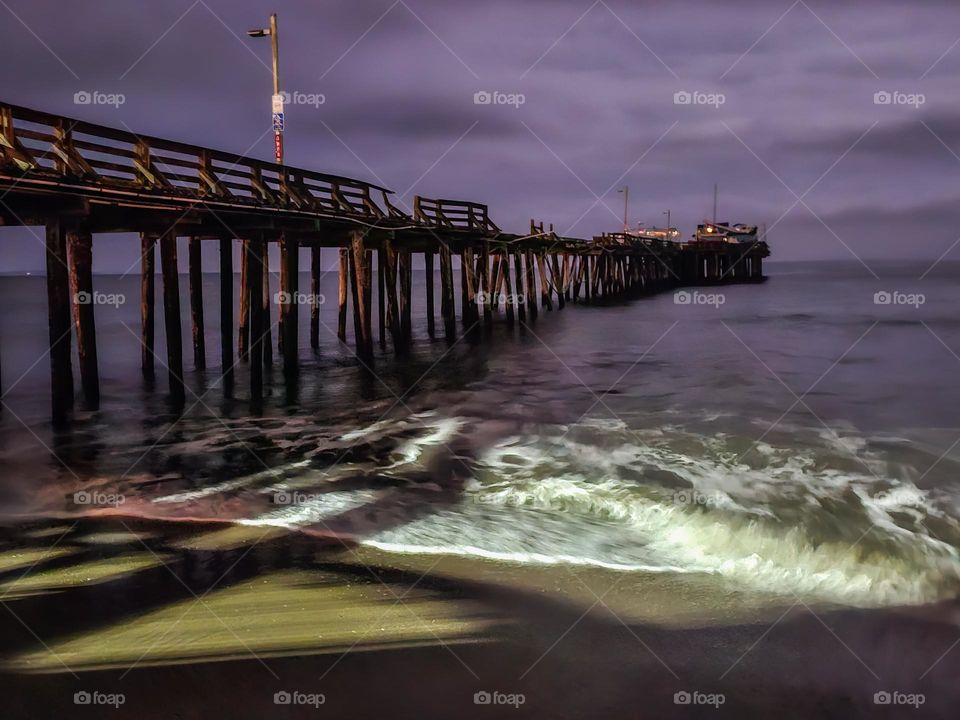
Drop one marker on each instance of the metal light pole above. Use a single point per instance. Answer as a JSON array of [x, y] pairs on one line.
[[626, 201], [667, 213], [278, 119]]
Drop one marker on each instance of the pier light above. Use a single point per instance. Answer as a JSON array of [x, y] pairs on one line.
[[278, 119]]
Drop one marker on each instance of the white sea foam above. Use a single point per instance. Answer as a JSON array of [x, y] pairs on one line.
[[788, 523]]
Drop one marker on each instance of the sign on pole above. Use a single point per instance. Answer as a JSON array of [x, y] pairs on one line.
[[278, 122]]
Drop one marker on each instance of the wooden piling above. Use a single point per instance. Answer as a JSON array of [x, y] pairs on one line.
[[428, 265], [266, 301], [361, 290], [148, 242], [342, 295], [255, 252], [405, 271], [448, 308], [226, 314], [544, 283], [471, 310], [485, 275], [557, 278], [315, 271], [80, 253], [531, 280], [464, 299], [520, 298], [243, 331], [508, 287], [382, 297], [289, 303], [58, 316], [171, 313], [196, 303], [393, 304]]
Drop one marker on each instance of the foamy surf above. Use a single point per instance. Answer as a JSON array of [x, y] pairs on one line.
[[603, 495]]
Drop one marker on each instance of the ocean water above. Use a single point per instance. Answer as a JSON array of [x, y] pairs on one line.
[[797, 438]]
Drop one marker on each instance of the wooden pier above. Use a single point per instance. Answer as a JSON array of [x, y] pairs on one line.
[[78, 180]]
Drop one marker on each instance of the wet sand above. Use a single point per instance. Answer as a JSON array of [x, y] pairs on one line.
[[384, 636]]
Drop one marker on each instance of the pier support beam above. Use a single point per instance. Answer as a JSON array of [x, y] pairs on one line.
[[405, 270], [382, 297], [315, 270], [80, 249], [58, 316], [361, 261], [393, 305], [226, 314], [485, 278], [428, 265], [557, 276], [196, 304], [148, 269], [255, 252], [266, 303], [520, 297], [471, 308], [544, 283], [447, 304], [243, 339], [289, 303], [342, 295], [171, 314], [531, 285], [508, 286]]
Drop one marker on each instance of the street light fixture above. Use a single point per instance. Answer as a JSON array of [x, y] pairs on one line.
[[278, 119]]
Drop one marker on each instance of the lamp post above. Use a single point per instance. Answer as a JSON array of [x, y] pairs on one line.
[[667, 213], [626, 199], [278, 119]]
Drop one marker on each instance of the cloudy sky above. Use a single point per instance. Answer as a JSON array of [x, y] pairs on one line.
[[783, 109]]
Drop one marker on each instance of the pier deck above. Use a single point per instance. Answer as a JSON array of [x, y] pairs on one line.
[[77, 179]]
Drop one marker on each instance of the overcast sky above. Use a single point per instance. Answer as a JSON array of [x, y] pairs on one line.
[[789, 125]]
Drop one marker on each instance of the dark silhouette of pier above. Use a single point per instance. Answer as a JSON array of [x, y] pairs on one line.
[[79, 179]]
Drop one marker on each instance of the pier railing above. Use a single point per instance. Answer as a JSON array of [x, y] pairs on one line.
[[42, 146], [453, 214]]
